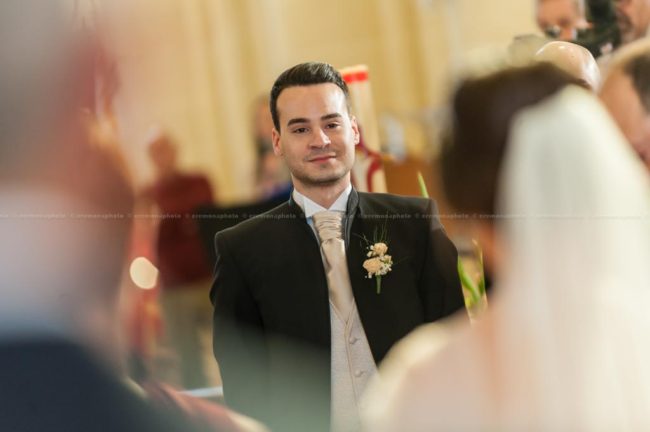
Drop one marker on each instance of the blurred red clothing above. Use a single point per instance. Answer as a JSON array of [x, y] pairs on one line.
[[182, 259]]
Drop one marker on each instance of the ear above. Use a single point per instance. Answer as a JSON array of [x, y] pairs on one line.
[[275, 138], [355, 129]]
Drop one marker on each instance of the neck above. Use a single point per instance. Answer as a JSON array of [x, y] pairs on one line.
[[323, 195]]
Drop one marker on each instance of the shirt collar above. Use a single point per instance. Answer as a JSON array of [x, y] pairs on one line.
[[309, 207]]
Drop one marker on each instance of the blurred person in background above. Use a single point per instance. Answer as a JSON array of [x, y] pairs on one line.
[[573, 59], [592, 24], [626, 94], [182, 260], [633, 18], [563, 346], [561, 19], [273, 179]]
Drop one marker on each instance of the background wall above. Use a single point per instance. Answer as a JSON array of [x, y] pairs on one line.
[[195, 66]]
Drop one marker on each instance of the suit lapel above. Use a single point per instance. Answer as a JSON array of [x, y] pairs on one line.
[[360, 227], [384, 316], [307, 250], [351, 213]]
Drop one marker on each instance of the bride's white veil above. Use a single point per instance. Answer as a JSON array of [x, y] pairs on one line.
[[574, 290], [565, 343]]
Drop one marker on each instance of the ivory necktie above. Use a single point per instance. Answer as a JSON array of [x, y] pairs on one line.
[[328, 226]]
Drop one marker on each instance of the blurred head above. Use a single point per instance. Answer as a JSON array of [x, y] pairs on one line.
[[573, 59], [633, 18], [561, 19], [67, 196], [162, 152], [626, 94], [314, 130], [41, 66], [475, 142]]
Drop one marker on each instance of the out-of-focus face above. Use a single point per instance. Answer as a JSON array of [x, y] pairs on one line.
[[559, 19], [633, 18], [163, 155], [317, 135], [623, 103]]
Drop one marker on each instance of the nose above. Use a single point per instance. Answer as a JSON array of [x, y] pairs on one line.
[[567, 34], [321, 139]]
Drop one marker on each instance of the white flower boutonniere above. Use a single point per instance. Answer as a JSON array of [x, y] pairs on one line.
[[379, 263]]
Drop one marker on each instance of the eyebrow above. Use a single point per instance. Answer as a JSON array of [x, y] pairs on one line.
[[305, 120], [297, 120], [331, 116]]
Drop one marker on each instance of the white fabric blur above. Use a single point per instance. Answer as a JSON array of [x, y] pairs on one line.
[[566, 342]]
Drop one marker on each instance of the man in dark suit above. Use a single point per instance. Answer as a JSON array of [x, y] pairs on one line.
[[344, 273]]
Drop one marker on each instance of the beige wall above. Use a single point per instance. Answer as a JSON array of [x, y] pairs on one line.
[[194, 66]]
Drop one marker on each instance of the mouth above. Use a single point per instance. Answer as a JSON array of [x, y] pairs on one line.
[[321, 158]]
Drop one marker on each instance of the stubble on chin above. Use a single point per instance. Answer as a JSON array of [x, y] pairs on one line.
[[328, 177], [320, 181]]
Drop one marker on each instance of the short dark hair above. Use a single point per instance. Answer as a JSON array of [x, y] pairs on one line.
[[638, 69], [474, 142], [304, 74]]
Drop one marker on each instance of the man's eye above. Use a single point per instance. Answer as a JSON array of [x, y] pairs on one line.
[[299, 130], [332, 125]]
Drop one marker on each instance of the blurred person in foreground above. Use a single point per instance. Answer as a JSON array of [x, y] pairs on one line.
[[573, 59], [564, 343], [65, 200], [64, 235], [561, 19], [626, 94], [181, 259], [307, 271]]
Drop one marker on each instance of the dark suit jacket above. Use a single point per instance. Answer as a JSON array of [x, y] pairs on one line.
[[53, 385], [270, 289]]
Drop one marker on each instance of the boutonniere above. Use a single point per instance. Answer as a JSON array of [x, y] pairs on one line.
[[379, 263]]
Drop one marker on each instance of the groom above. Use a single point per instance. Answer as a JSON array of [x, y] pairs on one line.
[[346, 274]]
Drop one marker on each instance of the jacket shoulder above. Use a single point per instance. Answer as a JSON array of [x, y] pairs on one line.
[[257, 225], [395, 203]]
